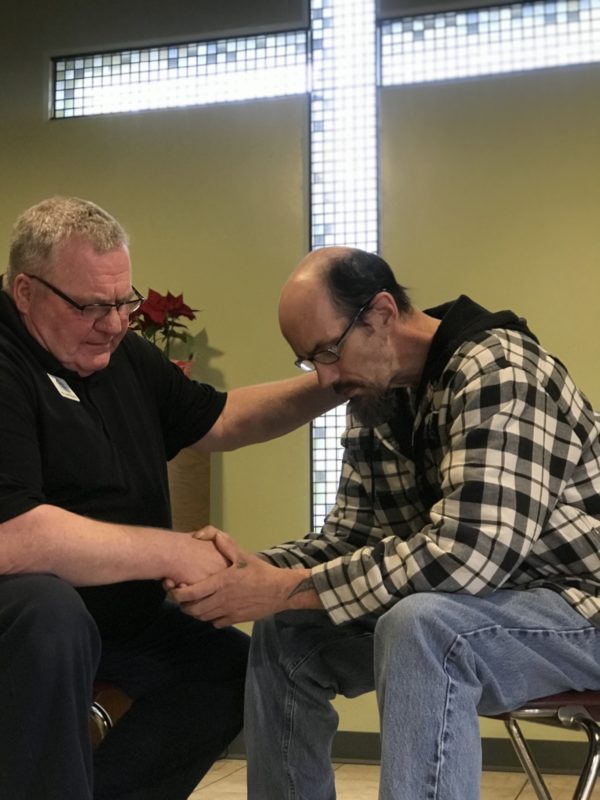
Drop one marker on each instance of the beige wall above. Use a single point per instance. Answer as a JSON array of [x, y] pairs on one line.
[[215, 200], [491, 188], [488, 187]]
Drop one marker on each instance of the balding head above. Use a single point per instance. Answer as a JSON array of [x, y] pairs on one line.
[[343, 312], [307, 283], [347, 276], [318, 262]]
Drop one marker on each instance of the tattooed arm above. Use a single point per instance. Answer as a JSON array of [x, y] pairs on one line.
[[249, 588]]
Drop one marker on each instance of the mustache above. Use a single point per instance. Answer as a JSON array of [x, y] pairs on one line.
[[339, 387]]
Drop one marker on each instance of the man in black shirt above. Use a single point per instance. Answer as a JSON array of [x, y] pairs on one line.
[[89, 415]]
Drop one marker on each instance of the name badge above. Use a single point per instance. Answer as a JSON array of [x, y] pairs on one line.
[[63, 388]]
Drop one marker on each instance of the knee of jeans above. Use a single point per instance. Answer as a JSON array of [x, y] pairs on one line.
[[48, 616], [412, 617]]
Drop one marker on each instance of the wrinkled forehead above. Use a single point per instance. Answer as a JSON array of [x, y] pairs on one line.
[[80, 265]]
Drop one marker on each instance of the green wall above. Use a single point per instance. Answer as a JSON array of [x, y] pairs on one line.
[[215, 201], [489, 187]]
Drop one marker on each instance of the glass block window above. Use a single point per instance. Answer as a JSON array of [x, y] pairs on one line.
[[217, 71], [344, 186], [343, 124], [326, 459], [520, 36]]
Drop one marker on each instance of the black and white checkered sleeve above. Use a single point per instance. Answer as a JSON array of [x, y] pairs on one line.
[[507, 451]]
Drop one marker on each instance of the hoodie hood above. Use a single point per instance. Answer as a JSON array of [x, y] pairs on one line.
[[462, 320]]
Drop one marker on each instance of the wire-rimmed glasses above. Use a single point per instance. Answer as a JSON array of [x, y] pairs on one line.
[[331, 354]]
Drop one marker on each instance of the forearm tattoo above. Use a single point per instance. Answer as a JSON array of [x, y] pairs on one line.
[[304, 586]]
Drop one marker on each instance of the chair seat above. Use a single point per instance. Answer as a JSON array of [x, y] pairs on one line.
[[588, 699]]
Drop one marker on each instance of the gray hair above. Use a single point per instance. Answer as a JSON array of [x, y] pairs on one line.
[[41, 229]]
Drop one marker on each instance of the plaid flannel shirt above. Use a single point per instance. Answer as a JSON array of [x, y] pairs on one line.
[[505, 494]]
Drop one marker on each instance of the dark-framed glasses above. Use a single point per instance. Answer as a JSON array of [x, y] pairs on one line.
[[331, 354], [96, 311]]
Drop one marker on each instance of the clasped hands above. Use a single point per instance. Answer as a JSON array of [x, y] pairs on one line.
[[248, 588]]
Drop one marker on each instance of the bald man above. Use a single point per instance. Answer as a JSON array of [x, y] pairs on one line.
[[458, 572]]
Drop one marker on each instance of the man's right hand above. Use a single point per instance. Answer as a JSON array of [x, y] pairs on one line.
[[199, 559]]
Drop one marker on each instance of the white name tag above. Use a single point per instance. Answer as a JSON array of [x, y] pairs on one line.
[[63, 388]]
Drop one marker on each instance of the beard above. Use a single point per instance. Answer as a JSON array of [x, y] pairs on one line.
[[374, 407]]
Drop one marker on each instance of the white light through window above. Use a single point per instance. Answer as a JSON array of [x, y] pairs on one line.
[[191, 74], [343, 174], [486, 41]]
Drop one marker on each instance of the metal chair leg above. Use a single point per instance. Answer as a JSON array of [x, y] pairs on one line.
[[526, 758], [569, 716], [101, 719], [578, 717]]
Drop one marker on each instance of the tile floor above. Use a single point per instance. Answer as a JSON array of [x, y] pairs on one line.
[[227, 781]]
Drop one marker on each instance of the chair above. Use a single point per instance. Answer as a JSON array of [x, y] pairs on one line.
[[575, 710], [108, 705], [101, 722]]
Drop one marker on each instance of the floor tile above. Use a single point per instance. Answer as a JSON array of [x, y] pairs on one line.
[[501, 785], [357, 782], [223, 768], [561, 787], [227, 781]]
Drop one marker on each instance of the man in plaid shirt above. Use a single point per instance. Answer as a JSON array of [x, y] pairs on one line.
[[459, 570]]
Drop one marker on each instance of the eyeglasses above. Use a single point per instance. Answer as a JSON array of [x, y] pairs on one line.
[[96, 311], [331, 354]]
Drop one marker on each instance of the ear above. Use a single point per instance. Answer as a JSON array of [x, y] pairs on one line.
[[21, 293], [385, 307]]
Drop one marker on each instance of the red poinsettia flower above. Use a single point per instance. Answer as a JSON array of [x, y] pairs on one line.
[[158, 308], [157, 319]]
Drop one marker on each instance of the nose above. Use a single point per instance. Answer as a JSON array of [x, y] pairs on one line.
[[327, 374], [112, 322]]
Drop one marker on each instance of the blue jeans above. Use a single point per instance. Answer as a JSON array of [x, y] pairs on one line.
[[436, 660]]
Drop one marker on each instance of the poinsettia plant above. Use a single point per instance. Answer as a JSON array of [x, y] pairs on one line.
[[159, 319]]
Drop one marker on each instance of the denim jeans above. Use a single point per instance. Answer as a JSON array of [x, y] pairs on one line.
[[436, 660]]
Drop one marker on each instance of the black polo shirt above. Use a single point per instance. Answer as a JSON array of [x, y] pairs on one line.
[[96, 446]]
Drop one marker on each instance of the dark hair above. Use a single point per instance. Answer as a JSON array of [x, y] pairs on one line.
[[354, 278]]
